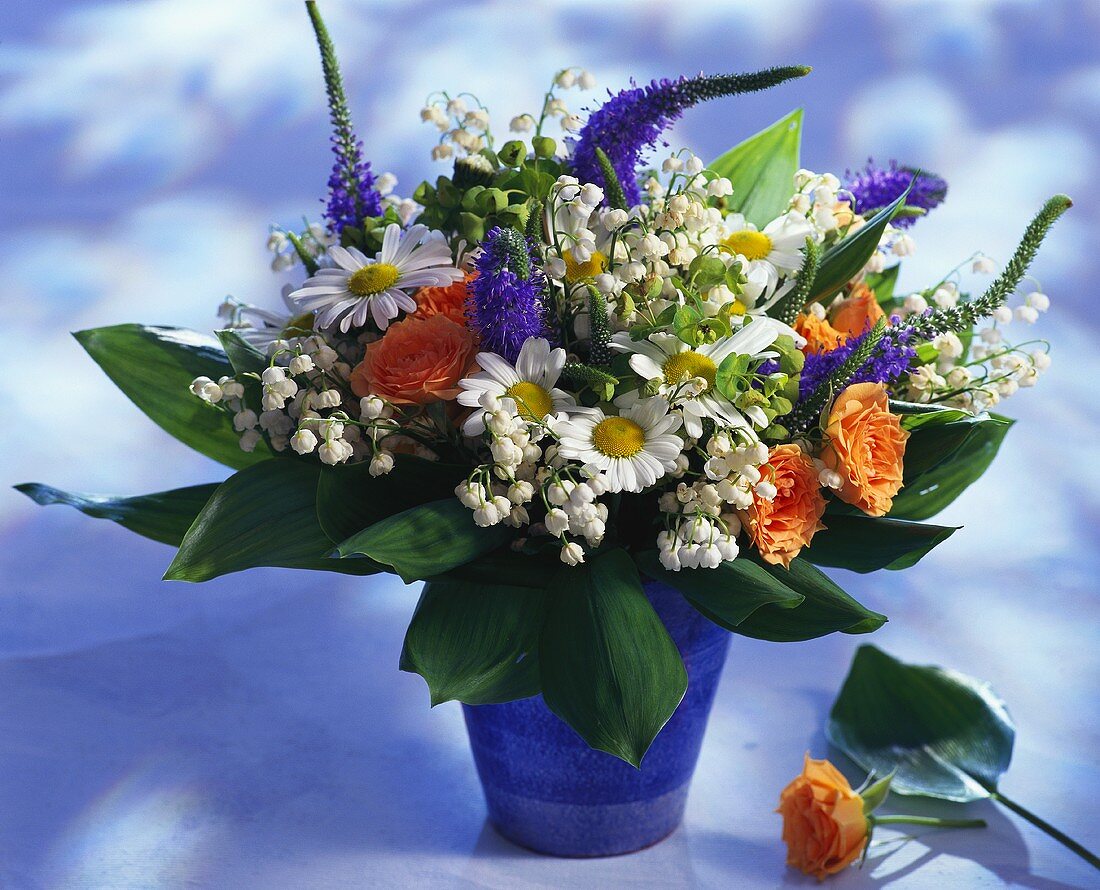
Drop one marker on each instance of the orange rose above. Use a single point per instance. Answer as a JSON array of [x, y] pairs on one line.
[[820, 335], [823, 823], [449, 301], [784, 525], [865, 445], [419, 360], [858, 312]]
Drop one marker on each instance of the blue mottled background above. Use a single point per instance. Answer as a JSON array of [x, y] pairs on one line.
[[255, 731]]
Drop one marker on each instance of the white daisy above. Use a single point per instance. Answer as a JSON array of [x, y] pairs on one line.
[[357, 287], [530, 383], [631, 450], [776, 251], [261, 327], [667, 358]]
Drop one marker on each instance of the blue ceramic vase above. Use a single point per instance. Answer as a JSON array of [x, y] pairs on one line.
[[548, 791]]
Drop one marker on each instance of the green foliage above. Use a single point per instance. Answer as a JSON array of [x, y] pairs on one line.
[[965, 315], [154, 367], [947, 735], [265, 515], [825, 608], [866, 544], [164, 516], [845, 259], [476, 642], [425, 540], [613, 189], [728, 594], [609, 668], [577, 375], [945, 454], [762, 170], [788, 308], [599, 349], [883, 283], [350, 499]]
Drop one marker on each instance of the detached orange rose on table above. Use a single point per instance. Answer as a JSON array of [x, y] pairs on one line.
[[858, 312], [824, 826], [418, 361], [865, 444], [781, 527]]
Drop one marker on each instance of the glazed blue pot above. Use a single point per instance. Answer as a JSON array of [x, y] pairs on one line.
[[548, 791]]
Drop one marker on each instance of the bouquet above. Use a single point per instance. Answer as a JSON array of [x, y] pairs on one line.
[[557, 371]]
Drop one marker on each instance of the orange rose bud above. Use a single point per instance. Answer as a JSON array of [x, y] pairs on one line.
[[781, 527], [823, 823], [449, 300], [866, 446], [859, 312], [820, 335], [419, 360]]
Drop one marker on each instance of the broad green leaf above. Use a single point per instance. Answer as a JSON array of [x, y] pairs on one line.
[[264, 515], [242, 355], [476, 643], [867, 544], [164, 516], [883, 283], [609, 668], [426, 540], [843, 261], [826, 608], [506, 567], [947, 734], [154, 367], [349, 498], [762, 170], [943, 460], [726, 595]]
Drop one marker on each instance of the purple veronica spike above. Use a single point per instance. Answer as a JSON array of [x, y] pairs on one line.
[[633, 120], [875, 187], [889, 361], [351, 193], [507, 306]]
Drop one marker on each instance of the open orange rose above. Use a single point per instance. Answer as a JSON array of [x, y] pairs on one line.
[[419, 360], [865, 444], [858, 312], [820, 335], [781, 527], [824, 827], [449, 300]]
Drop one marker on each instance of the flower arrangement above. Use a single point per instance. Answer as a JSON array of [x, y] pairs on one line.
[[555, 372]]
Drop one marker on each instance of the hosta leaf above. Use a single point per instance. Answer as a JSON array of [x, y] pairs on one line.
[[265, 515], [947, 734], [866, 544], [825, 608], [843, 261], [728, 594], [154, 367], [475, 642], [762, 170], [164, 516], [426, 540], [609, 668]]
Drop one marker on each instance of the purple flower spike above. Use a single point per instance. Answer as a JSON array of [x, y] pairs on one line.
[[874, 187], [507, 302]]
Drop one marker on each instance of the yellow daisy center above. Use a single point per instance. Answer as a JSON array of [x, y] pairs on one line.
[[533, 401], [575, 271], [749, 244], [618, 437], [373, 278], [738, 308], [685, 365]]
